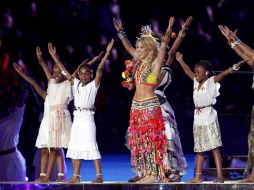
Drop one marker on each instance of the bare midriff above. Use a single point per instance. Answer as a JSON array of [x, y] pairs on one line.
[[144, 91]]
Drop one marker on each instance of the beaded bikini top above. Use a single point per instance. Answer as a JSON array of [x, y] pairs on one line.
[[144, 75]]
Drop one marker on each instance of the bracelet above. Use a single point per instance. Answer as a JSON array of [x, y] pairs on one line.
[[121, 34], [104, 59], [182, 32], [234, 42], [60, 174], [234, 67], [64, 73], [77, 175], [166, 37]]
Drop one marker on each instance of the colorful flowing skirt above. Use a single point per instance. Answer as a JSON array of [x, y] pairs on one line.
[[147, 139], [250, 161]]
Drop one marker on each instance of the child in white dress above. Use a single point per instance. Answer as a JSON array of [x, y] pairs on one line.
[[55, 128], [206, 128], [83, 144]]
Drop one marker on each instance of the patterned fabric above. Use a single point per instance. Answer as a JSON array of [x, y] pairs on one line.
[[147, 139], [207, 137], [250, 160]]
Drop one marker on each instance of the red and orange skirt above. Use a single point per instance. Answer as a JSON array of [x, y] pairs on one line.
[[147, 139]]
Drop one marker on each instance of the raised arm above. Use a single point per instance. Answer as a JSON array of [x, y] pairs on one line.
[[228, 71], [162, 51], [52, 51], [241, 49], [31, 81], [42, 63], [123, 37], [178, 41], [102, 63], [186, 68]]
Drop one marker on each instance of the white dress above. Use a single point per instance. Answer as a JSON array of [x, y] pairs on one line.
[[83, 144], [12, 165], [206, 129], [56, 123]]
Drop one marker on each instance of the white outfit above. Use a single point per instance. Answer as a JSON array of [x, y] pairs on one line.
[[206, 128], [83, 144], [13, 164], [56, 123]]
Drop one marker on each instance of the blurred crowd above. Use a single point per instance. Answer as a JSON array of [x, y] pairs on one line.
[[81, 29]]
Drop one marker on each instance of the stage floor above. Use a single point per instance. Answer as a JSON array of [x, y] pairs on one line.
[[126, 186]]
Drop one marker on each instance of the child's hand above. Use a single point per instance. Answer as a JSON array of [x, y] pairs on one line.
[[52, 49], [110, 45], [17, 67], [38, 52], [179, 56]]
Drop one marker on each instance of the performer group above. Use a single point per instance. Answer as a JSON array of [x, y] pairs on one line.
[[152, 136]]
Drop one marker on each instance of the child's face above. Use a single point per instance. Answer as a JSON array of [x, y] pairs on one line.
[[57, 74], [85, 75], [200, 73]]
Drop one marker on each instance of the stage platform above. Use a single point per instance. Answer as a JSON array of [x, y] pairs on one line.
[[126, 186]]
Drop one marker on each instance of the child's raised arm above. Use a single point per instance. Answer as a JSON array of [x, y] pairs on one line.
[[186, 68], [52, 51], [102, 63], [228, 71], [42, 63], [31, 81]]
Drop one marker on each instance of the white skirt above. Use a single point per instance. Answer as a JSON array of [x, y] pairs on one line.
[[207, 137], [48, 137], [83, 144]]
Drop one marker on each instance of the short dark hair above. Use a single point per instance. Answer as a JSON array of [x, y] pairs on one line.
[[207, 66]]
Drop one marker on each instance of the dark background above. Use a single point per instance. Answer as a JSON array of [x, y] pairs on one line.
[[80, 29]]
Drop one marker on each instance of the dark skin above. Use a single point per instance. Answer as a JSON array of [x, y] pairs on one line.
[[246, 53], [85, 76], [201, 75]]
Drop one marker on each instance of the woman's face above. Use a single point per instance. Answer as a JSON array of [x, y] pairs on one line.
[[142, 51], [85, 75], [57, 74], [200, 73]]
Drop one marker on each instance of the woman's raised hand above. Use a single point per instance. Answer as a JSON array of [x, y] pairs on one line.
[[117, 24], [170, 24], [187, 23], [229, 35]]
